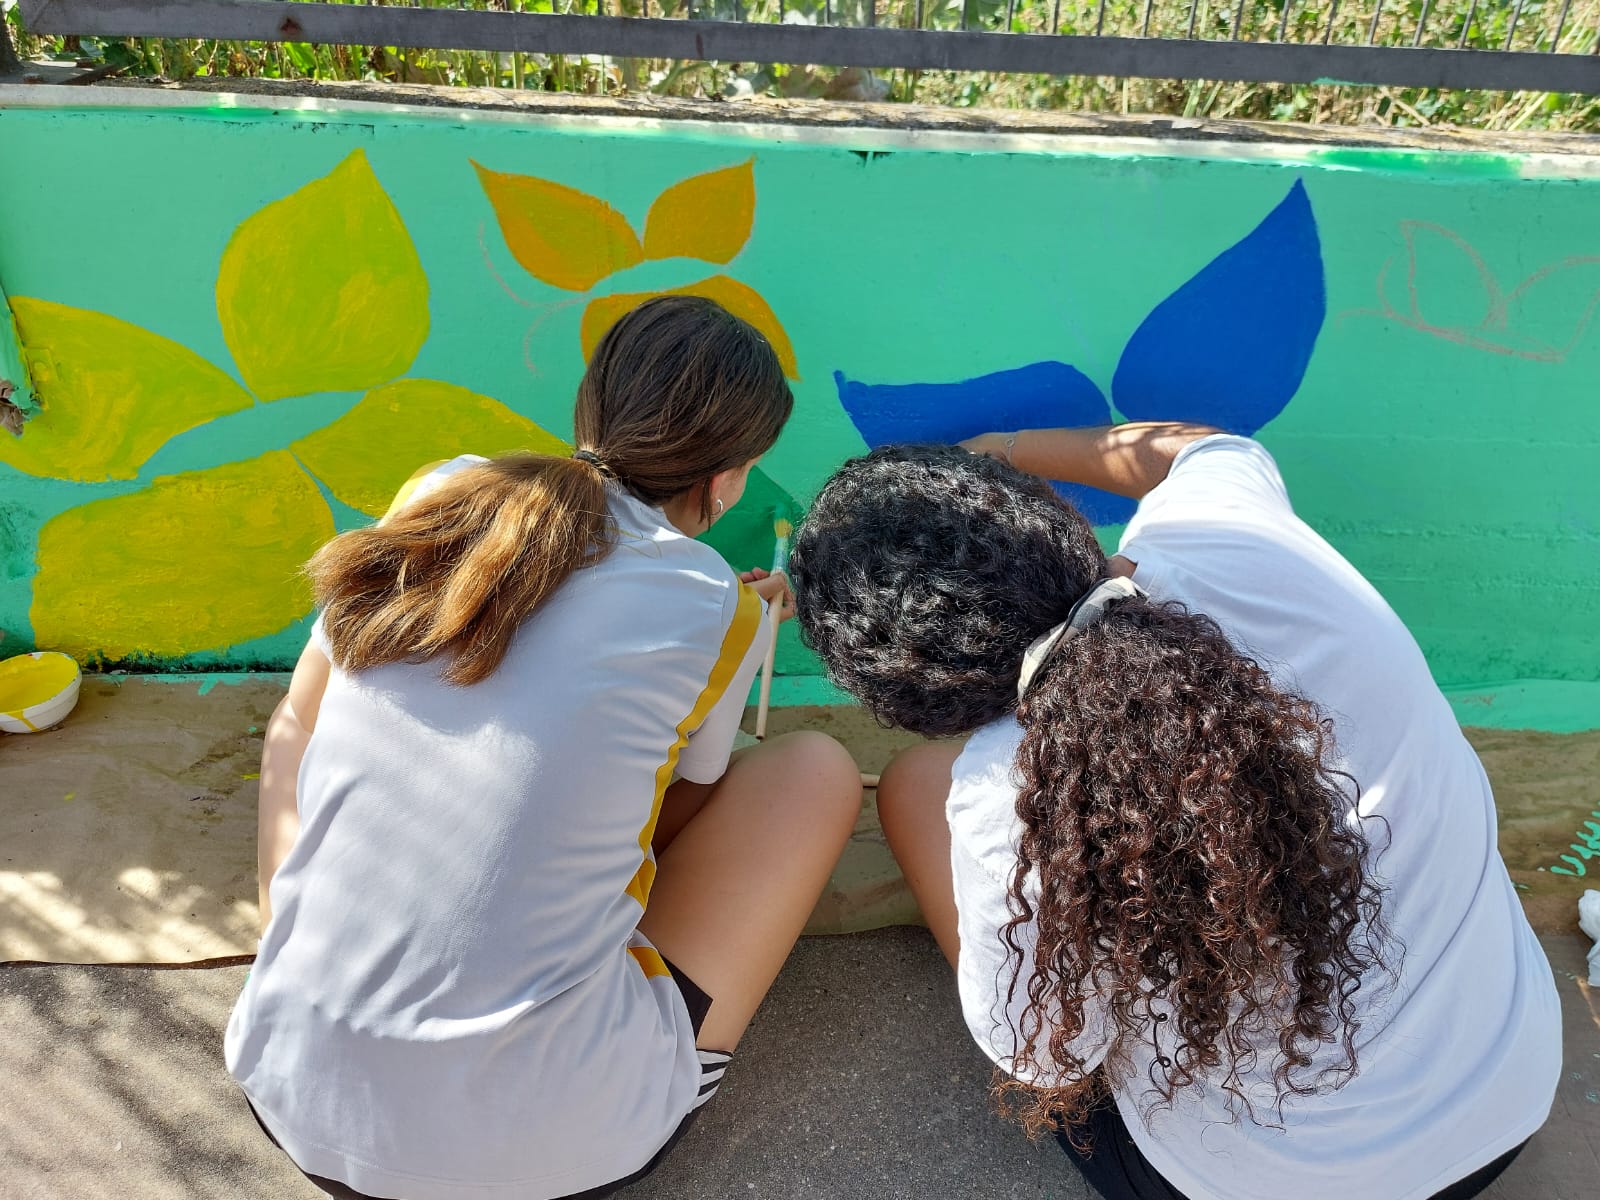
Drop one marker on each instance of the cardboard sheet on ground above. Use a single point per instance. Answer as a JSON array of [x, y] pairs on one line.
[[128, 833]]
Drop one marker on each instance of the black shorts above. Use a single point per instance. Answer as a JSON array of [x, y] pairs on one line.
[[713, 1064], [1119, 1170]]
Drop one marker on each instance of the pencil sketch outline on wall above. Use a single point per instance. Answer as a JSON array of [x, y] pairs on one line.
[[1509, 321]]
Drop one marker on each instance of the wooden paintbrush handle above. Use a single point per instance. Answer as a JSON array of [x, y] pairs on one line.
[[774, 610]]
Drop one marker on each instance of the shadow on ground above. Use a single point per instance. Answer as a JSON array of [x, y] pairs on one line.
[[856, 1082]]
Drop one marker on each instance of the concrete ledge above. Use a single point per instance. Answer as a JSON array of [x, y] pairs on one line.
[[869, 118]]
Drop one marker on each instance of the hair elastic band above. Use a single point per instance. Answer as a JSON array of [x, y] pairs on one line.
[[1084, 613], [594, 460]]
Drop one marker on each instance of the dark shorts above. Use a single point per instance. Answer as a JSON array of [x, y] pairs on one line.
[[712, 1066], [1119, 1171]]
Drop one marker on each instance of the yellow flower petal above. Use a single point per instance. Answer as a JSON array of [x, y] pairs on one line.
[[707, 216], [193, 562], [110, 394], [742, 301], [322, 291], [366, 455], [565, 237]]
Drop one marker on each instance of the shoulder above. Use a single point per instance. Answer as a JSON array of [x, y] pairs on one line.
[[1220, 473], [645, 544], [429, 476]]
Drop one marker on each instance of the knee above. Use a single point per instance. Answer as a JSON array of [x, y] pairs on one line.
[[834, 776], [916, 781]]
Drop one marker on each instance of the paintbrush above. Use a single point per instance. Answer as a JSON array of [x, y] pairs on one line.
[[781, 529]]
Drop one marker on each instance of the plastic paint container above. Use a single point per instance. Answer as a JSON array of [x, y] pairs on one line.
[[37, 691]]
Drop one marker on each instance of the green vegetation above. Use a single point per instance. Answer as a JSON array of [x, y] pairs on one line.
[[1486, 24]]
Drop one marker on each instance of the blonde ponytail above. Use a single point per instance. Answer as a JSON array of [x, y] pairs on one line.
[[459, 570]]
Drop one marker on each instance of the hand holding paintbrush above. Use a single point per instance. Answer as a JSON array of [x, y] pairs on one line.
[[781, 529]]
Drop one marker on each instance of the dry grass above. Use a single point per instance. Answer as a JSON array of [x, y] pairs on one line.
[[1449, 23]]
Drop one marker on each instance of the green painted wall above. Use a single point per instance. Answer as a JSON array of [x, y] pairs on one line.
[[206, 295]]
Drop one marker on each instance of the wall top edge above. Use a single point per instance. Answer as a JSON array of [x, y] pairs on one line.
[[856, 126]]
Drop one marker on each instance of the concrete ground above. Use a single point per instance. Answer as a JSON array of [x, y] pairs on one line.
[[856, 1082]]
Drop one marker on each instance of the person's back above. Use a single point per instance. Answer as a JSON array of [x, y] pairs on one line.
[[1446, 1050], [472, 861], [1449, 1005], [500, 792]]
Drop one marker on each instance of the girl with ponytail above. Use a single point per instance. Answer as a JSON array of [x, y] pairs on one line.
[[519, 901], [1213, 863]]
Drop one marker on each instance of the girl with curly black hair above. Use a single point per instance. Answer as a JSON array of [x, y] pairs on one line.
[[1215, 866]]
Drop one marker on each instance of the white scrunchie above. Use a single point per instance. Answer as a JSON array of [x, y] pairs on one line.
[[1084, 614]]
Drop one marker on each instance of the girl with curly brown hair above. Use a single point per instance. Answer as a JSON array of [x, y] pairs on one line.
[[1214, 865]]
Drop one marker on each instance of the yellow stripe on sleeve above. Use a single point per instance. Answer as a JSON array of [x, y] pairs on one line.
[[735, 645], [409, 488]]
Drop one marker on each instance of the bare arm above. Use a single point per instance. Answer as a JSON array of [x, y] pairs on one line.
[[1129, 460], [278, 822]]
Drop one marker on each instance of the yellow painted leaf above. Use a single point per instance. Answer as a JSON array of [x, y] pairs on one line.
[[706, 216], [366, 455], [565, 237], [742, 301], [110, 394], [322, 291], [193, 562]]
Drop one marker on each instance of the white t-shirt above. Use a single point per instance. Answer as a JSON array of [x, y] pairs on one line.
[[453, 1001], [1459, 1063]]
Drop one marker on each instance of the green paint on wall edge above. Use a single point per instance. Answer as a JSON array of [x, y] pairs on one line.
[[1547, 705], [1433, 164]]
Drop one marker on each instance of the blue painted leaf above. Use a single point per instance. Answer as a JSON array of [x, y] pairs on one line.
[[1230, 347], [1040, 395]]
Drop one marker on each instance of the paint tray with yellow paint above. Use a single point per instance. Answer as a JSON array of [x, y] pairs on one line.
[[37, 691]]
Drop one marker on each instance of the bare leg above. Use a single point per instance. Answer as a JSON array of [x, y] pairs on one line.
[[681, 804], [911, 799], [733, 890]]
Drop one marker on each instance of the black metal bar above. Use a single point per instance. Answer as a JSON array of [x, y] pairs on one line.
[[1372, 31], [1516, 15], [1283, 21], [1422, 21], [1100, 19], [1333, 13], [1238, 19], [726, 41], [1466, 26], [1561, 23], [1144, 30], [1194, 12]]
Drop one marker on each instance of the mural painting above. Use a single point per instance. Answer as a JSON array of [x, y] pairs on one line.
[[346, 296], [1228, 348], [112, 395]]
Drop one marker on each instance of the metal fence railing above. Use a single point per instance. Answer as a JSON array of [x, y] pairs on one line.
[[1390, 42]]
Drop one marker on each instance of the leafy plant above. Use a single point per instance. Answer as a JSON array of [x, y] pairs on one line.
[[1474, 23]]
